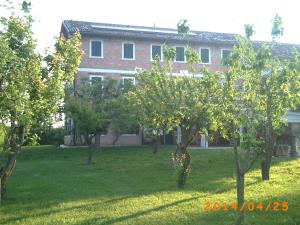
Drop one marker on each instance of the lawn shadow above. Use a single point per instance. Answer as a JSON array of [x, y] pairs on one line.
[[138, 214], [117, 175], [64, 209], [205, 177]]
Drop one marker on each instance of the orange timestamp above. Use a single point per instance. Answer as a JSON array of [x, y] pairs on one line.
[[246, 206]]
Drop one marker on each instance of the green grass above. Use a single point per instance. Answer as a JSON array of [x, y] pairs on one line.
[[133, 186]]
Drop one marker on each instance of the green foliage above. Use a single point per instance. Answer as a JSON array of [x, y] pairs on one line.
[[52, 136], [169, 53], [33, 140], [193, 59], [257, 83], [26, 6], [46, 136], [31, 86], [2, 135], [258, 89], [96, 106], [183, 27], [88, 107], [123, 117], [165, 102], [277, 28], [249, 31]]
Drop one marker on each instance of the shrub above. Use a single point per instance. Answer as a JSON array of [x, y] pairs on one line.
[[48, 136], [52, 136]]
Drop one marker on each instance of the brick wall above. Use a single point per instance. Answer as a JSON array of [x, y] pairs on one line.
[[112, 56], [112, 59]]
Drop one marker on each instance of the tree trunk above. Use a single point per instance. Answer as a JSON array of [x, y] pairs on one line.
[[89, 161], [177, 154], [240, 188], [74, 133], [267, 156], [0, 192], [88, 140], [116, 138], [266, 161], [97, 141], [265, 170], [293, 152], [240, 184], [184, 156], [7, 171], [156, 145], [184, 168], [5, 143], [8, 137]]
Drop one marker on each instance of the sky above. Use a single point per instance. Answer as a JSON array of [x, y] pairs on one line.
[[227, 16]]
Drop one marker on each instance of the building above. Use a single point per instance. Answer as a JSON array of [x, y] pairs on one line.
[[118, 50]]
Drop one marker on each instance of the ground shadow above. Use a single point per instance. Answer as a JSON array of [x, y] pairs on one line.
[[115, 176]]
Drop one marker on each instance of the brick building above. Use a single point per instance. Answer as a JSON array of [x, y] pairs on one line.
[[118, 50]]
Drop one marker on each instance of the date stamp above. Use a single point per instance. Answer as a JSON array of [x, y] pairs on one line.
[[250, 206]]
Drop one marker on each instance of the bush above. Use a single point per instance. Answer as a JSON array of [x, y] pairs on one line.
[[52, 136], [33, 140], [49, 136]]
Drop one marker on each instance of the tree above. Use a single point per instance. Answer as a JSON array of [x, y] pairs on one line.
[[258, 90], [166, 102], [31, 86], [277, 28], [98, 105], [183, 27], [279, 90], [89, 106], [239, 113], [123, 117]]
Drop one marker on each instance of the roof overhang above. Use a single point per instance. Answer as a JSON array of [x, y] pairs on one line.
[[292, 117]]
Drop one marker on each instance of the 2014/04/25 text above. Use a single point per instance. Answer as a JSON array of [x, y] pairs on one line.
[[246, 206]]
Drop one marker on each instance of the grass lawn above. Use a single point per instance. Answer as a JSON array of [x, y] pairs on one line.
[[133, 186]]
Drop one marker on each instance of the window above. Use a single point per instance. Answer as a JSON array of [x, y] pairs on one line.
[[128, 80], [205, 55], [96, 49], [180, 54], [156, 50], [95, 79], [225, 53], [128, 83], [128, 51]]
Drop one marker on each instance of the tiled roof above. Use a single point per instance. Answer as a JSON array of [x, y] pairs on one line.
[[103, 29], [283, 50]]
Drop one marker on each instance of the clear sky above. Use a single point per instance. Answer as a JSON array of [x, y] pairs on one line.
[[209, 15]]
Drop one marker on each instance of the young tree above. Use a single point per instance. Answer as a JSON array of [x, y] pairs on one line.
[[123, 117], [89, 108], [279, 90], [98, 105], [165, 101], [31, 86], [257, 92], [240, 114]]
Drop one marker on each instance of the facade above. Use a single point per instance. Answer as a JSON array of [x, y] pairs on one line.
[[112, 50]]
